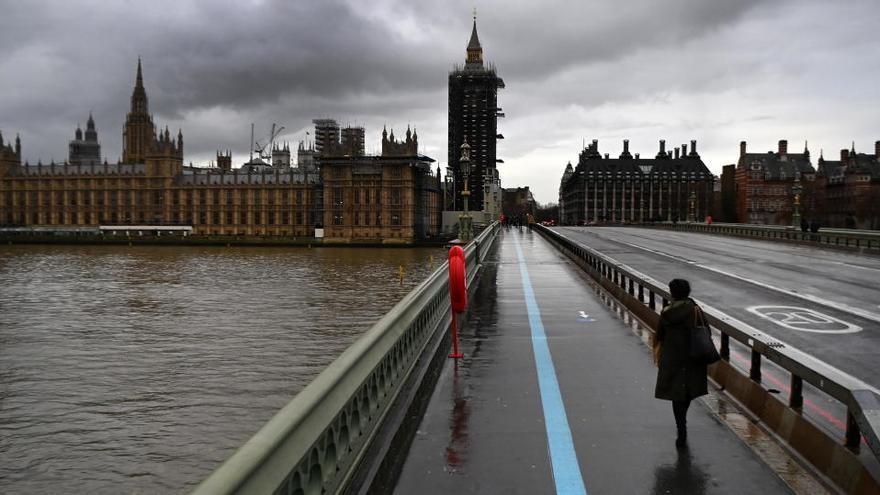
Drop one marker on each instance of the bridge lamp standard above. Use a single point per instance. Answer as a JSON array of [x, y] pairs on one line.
[[465, 223], [797, 189]]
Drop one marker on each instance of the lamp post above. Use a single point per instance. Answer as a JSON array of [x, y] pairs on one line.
[[465, 225], [692, 203], [797, 189]]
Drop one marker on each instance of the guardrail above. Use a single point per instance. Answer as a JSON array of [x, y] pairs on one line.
[[852, 239], [318, 441], [645, 297]]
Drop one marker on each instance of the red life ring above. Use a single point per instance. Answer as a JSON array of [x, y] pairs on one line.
[[457, 288]]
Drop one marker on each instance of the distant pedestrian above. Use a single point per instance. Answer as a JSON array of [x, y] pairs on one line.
[[679, 379], [805, 225], [814, 226]]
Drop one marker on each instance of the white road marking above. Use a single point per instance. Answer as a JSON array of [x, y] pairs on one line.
[[868, 315], [803, 319], [856, 266], [856, 383], [584, 317]]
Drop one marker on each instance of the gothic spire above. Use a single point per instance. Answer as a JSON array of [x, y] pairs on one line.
[[139, 94], [90, 125], [474, 50]]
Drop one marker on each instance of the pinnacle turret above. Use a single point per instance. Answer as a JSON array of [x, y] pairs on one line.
[[474, 49], [139, 82]]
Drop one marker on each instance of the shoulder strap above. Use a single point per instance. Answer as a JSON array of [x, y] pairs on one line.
[[698, 315]]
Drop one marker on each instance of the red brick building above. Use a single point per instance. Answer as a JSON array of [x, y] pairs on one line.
[[764, 185], [848, 190]]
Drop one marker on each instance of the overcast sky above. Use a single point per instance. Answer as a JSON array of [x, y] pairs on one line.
[[715, 71]]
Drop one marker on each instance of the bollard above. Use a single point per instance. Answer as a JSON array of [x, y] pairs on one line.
[[457, 293]]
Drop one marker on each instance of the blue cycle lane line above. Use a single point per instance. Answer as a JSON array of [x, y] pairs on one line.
[[555, 395], [563, 458]]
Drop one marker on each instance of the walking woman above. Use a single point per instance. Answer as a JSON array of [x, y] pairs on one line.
[[679, 379]]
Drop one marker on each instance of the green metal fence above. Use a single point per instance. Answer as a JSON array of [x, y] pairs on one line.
[[316, 443]]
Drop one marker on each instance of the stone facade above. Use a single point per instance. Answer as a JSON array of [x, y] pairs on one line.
[[393, 197], [765, 182], [139, 130], [848, 190], [85, 150], [632, 189], [518, 202], [10, 157], [390, 198]]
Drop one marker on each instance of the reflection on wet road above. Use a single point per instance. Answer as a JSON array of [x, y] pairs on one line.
[[485, 430]]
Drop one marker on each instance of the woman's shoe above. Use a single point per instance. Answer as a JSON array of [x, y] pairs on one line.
[[681, 441]]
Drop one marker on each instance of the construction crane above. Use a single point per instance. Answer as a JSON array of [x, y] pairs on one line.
[[264, 149]]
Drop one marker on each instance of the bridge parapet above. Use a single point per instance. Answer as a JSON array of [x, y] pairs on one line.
[[838, 460], [868, 242], [319, 442]]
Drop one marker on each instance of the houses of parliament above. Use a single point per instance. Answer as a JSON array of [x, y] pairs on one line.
[[335, 187]]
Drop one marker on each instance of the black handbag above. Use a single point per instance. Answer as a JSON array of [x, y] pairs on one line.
[[702, 349]]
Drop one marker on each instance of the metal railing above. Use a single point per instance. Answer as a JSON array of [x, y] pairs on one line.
[[866, 241], [861, 400], [316, 442]]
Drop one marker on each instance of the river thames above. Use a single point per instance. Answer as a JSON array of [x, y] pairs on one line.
[[140, 369]]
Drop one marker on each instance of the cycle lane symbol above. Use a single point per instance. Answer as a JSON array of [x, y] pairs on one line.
[[803, 319]]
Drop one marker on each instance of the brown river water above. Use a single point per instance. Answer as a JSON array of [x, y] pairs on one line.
[[140, 369]]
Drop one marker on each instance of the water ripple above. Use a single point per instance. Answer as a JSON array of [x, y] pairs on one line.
[[140, 369]]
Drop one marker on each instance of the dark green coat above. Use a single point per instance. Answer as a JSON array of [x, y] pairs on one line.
[[678, 378]]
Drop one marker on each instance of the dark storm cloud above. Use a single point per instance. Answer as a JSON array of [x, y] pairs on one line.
[[242, 54], [676, 68]]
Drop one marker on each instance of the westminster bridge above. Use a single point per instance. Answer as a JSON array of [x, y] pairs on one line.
[[554, 393]]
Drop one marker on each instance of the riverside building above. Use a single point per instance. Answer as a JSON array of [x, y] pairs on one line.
[[151, 186], [765, 182], [848, 190], [672, 186]]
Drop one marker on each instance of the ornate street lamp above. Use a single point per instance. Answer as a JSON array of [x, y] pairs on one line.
[[465, 223], [797, 189]]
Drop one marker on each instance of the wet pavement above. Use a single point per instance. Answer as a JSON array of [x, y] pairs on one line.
[[815, 299], [821, 301], [486, 428]]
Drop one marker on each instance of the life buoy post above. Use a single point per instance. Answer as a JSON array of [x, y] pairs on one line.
[[457, 293]]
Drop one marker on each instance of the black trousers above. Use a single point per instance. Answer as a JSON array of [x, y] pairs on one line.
[[680, 409]]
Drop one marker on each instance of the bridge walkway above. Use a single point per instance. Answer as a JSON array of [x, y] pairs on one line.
[[555, 394]]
